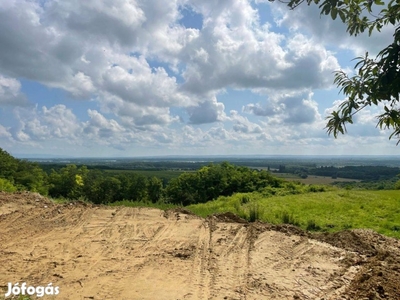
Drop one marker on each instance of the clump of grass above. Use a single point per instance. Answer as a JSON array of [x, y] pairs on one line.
[[288, 218], [245, 199], [347, 226], [312, 226], [255, 212], [395, 228]]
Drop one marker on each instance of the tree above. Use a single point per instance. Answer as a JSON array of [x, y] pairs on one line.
[[377, 81], [68, 182], [22, 174], [154, 189]]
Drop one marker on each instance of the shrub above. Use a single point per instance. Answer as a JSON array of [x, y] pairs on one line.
[[7, 186]]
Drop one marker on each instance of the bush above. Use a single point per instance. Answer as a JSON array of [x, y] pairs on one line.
[[7, 186], [316, 188]]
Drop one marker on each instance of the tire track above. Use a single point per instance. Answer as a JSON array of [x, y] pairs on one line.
[[200, 278], [232, 253]]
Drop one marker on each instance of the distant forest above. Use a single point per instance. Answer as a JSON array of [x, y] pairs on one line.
[[176, 182]]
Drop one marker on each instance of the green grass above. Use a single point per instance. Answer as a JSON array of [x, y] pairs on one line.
[[330, 211]]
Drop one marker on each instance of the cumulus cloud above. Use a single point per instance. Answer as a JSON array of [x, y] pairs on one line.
[[4, 132], [86, 49], [290, 109], [10, 92], [137, 63], [57, 122], [142, 85], [234, 50], [98, 124], [323, 29], [206, 112], [243, 125]]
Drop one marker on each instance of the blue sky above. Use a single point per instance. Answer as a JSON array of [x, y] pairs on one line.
[[149, 77]]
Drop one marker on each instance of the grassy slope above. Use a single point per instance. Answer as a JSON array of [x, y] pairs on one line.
[[331, 211]]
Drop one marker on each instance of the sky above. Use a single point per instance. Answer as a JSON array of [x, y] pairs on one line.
[[102, 78]]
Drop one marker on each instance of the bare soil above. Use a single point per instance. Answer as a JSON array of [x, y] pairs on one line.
[[99, 252]]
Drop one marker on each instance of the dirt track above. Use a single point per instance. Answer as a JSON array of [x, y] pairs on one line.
[[129, 253]]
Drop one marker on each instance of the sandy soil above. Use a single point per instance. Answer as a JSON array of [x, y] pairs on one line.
[[97, 252]]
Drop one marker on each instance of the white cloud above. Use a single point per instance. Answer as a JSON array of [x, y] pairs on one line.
[[143, 71], [292, 108], [243, 125], [57, 122], [10, 92], [142, 85], [4, 132], [207, 112], [85, 48], [323, 29]]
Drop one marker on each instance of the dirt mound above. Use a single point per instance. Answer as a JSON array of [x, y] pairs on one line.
[[99, 252], [379, 276], [228, 217], [349, 240]]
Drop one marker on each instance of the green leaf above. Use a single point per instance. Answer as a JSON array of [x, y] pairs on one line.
[[334, 13], [342, 16]]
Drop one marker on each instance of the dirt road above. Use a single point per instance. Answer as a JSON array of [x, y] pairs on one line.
[[93, 252]]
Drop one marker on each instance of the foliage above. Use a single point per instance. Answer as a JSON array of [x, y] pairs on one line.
[[22, 174], [377, 81], [100, 187], [7, 186], [397, 185], [217, 180], [358, 172], [68, 182]]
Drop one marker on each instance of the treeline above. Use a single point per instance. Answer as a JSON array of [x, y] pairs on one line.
[[97, 186], [364, 173], [201, 186]]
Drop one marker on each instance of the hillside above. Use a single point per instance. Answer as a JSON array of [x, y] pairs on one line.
[[99, 252]]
